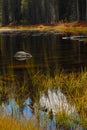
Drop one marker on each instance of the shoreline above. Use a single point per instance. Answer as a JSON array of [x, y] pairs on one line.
[[73, 27]]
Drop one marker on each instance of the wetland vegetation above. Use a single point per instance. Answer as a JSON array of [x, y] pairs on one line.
[[43, 65], [53, 75], [72, 85]]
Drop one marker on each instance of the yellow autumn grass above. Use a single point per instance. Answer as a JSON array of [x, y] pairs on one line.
[[9, 123], [73, 27], [73, 85]]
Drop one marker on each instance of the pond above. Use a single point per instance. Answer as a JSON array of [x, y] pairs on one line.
[[47, 52]]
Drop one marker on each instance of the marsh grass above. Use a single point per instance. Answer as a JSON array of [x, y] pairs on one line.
[[9, 123], [73, 85]]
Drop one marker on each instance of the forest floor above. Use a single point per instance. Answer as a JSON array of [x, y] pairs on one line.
[[73, 27]]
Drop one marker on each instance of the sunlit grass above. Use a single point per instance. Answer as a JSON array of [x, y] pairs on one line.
[[73, 85], [8, 123], [74, 27]]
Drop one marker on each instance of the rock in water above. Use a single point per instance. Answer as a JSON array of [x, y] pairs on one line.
[[21, 55]]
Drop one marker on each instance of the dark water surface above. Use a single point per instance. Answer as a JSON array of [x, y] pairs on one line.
[[49, 52]]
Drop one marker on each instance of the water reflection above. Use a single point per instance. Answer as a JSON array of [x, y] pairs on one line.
[[13, 109], [80, 38], [49, 51], [27, 110], [54, 102]]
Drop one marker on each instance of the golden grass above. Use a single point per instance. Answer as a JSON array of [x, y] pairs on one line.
[[73, 85], [8, 123], [73, 27]]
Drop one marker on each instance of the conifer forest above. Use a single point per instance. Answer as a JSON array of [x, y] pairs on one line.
[[42, 11]]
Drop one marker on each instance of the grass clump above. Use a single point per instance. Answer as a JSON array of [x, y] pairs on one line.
[[9, 123], [73, 85]]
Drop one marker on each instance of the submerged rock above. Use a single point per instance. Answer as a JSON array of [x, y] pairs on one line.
[[77, 38], [21, 55]]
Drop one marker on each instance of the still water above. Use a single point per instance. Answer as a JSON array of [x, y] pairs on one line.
[[49, 52]]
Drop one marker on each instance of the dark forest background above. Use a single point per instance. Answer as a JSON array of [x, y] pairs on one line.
[[42, 11]]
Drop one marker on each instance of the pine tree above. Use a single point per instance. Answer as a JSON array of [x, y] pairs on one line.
[[4, 12], [78, 13], [15, 11], [86, 11]]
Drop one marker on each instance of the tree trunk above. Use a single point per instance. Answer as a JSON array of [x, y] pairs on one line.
[[4, 12], [15, 11], [78, 13], [86, 11]]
